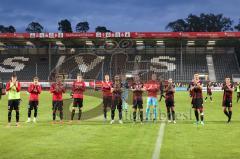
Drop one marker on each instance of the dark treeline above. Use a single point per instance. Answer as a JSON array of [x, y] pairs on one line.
[[192, 23]]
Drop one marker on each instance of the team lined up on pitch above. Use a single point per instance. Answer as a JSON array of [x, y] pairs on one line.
[[115, 98]]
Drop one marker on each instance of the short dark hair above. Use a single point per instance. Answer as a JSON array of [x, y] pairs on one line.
[[14, 75]]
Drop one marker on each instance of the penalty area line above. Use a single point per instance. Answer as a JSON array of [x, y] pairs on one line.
[[157, 150]]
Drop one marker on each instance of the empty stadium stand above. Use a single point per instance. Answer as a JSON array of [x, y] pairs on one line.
[[93, 64]]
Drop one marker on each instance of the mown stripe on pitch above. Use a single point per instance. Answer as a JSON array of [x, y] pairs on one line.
[[157, 150]]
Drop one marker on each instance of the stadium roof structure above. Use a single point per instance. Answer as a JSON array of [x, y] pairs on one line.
[[109, 38]]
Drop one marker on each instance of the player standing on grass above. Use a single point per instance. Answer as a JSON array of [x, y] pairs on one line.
[[227, 98], [107, 95], [116, 99], [209, 91], [169, 100], [1, 88], [34, 89], [152, 88], [238, 91], [13, 88], [137, 88], [161, 89], [77, 93], [57, 89], [125, 94], [197, 101]]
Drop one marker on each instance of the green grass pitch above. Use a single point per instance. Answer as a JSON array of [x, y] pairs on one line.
[[94, 139]]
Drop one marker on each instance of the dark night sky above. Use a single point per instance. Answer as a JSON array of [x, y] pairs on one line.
[[121, 15]]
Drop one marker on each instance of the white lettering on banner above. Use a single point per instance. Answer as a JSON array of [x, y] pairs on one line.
[[32, 35], [113, 35], [16, 66]]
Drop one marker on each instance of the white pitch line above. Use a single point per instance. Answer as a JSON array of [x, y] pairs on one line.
[[157, 150]]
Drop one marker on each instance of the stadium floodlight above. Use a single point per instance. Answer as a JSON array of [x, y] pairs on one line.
[[89, 43], [139, 42], [160, 42], [190, 42], [29, 43], [59, 43], [211, 42]]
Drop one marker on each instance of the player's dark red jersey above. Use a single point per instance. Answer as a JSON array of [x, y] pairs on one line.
[[57, 90], [227, 92], [117, 90], [77, 89], [169, 93], [137, 93], [152, 88], [197, 91], [209, 89], [34, 91], [106, 89]]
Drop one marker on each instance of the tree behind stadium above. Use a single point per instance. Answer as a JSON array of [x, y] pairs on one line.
[[203, 23], [65, 26], [82, 27], [237, 27], [34, 27], [9, 29], [102, 29]]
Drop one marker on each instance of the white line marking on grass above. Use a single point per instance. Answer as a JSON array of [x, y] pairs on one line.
[[157, 150]]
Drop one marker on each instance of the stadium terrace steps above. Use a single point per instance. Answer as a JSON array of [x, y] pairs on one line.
[[166, 63]]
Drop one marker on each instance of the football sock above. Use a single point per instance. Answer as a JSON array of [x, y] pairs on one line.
[[35, 113], [230, 116], [105, 112], [173, 114], [226, 113], [196, 115], [155, 112], [9, 116], [134, 115], [29, 113], [79, 114], [17, 116], [141, 115], [168, 113], [202, 116], [112, 114], [54, 115], [120, 114], [61, 115], [147, 112], [73, 113]]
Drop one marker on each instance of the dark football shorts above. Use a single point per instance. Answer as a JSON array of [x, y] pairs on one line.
[[107, 101], [13, 104], [33, 105], [238, 94], [78, 102], [197, 103], [169, 103], [209, 93], [138, 103], [227, 103], [116, 103], [57, 105]]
